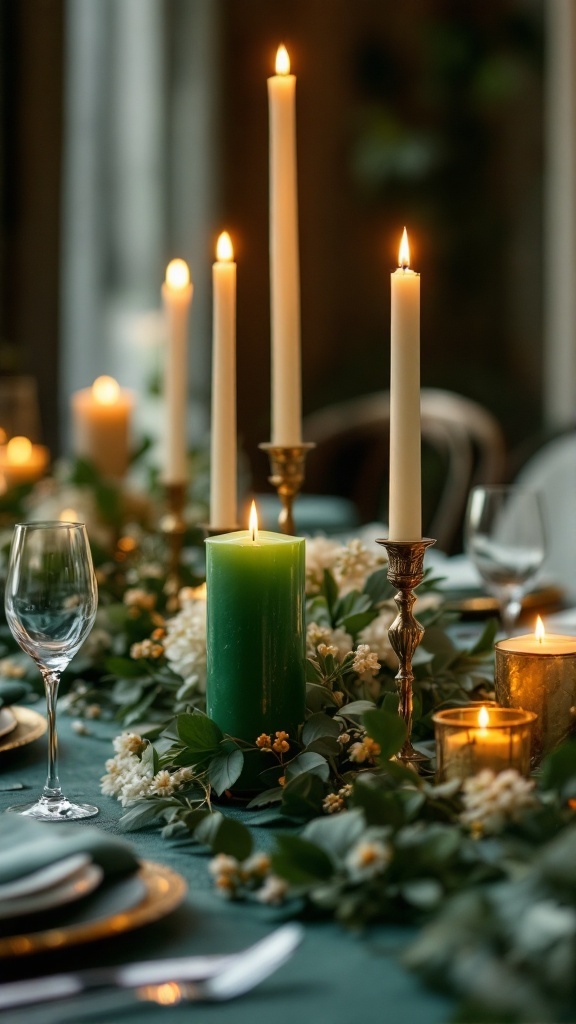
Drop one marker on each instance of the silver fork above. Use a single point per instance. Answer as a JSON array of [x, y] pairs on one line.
[[239, 974]]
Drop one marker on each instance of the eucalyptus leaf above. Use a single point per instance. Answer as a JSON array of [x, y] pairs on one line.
[[302, 797], [224, 769], [378, 588], [319, 697], [356, 708], [388, 730], [300, 861], [143, 812], [336, 834], [309, 763], [124, 668], [330, 591], [319, 725], [198, 731], [325, 745], [224, 835]]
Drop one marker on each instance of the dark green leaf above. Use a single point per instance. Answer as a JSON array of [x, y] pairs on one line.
[[319, 725], [388, 730], [378, 588], [354, 624], [309, 763], [300, 861], [143, 812], [485, 642], [356, 708], [224, 835], [125, 668], [224, 769], [325, 745], [302, 797], [270, 796], [336, 834], [318, 697], [330, 591], [198, 731]]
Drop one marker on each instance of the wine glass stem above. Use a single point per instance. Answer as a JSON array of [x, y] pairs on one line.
[[52, 788], [510, 609]]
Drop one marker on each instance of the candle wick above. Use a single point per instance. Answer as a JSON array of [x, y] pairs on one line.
[[404, 265]]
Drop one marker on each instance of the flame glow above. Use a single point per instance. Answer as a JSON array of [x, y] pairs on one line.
[[539, 631], [224, 250], [68, 515], [483, 718], [282, 61], [18, 450], [105, 390], [177, 274], [253, 523], [404, 251]]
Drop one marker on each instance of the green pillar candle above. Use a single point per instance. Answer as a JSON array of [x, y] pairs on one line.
[[255, 633]]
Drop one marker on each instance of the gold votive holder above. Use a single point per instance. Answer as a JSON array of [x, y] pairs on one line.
[[472, 738], [543, 683]]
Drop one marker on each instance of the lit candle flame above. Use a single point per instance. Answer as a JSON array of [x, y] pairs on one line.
[[539, 632], [282, 61], [18, 450], [177, 274], [483, 718], [404, 251], [253, 523], [224, 250], [68, 515], [105, 390]]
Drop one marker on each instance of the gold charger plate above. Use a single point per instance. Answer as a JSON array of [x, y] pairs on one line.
[[30, 725], [485, 604], [164, 889], [8, 721]]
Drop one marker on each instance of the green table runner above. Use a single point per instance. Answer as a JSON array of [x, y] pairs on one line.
[[334, 977]]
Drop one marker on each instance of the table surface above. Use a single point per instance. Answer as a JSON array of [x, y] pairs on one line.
[[334, 976]]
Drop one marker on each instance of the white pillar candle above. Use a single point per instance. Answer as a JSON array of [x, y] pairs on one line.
[[405, 508], [177, 295], [223, 501], [101, 426], [284, 259]]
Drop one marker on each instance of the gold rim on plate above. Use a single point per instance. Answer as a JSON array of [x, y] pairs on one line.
[[30, 725], [164, 890], [546, 597], [8, 721]]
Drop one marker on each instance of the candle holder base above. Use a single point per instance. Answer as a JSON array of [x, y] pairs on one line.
[[173, 527], [287, 466], [406, 572]]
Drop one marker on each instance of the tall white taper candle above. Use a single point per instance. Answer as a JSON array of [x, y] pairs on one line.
[[223, 483], [177, 294], [405, 508], [284, 258]]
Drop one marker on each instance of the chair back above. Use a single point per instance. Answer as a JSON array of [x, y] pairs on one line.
[[462, 445]]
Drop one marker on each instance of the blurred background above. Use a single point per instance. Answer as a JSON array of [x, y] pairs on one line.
[[134, 131]]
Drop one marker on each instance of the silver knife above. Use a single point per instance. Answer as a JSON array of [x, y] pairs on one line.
[[127, 976]]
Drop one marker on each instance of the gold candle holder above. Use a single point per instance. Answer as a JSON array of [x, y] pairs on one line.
[[406, 572], [287, 465], [475, 737], [173, 526], [541, 681]]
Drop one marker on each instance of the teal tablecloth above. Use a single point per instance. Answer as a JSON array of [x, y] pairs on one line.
[[333, 978]]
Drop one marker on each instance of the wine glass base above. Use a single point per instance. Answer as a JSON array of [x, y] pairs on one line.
[[54, 810]]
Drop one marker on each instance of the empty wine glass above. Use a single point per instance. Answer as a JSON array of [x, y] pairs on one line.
[[505, 540], [51, 600]]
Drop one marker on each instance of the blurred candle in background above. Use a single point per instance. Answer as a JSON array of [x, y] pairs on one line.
[[101, 426], [223, 475], [284, 258], [177, 295], [405, 507], [22, 462]]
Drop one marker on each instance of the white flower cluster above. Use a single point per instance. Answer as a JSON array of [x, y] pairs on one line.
[[338, 639], [128, 778], [490, 799], [367, 859], [376, 636], [185, 643], [351, 563], [231, 875]]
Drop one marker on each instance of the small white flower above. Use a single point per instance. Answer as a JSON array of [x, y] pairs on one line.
[[185, 644], [354, 563], [162, 784], [79, 728], [223, 864], [256, 866], [338, 638], [320, 554], [366, 661], [128, 743], [368, 858], [273, 891], [376, 636], [490, 799]]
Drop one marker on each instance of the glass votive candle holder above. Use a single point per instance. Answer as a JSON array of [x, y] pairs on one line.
[[471, 738]]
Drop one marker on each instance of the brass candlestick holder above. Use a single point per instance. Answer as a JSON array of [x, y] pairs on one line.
[[173, 526], [406, 572], [287, 465]]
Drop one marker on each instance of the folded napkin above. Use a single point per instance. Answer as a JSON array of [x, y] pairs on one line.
[[11, 691], [27, 846]]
